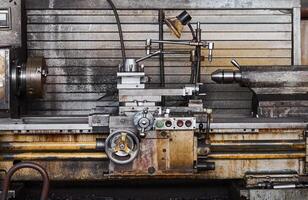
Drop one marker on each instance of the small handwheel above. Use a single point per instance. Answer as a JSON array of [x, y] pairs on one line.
[[122, 146]]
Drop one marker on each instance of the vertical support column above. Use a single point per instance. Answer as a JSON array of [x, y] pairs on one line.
[[198, 54], [161, 18], [296, 36]]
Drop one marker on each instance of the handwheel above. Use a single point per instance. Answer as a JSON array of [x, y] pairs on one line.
[[122, 146]]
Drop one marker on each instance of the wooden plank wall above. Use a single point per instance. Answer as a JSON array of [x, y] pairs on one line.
[[82, 51]]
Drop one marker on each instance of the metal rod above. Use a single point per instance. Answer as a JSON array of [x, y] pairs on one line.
[[171, 42], [153, 92], [296, 144], [149, 56], [285, 186], [47, 146], [198, 54], [175, 52], [15, 168], [245, 156], [161, 18], [53, 156], [252, 147], [159, 52], [193, 64]]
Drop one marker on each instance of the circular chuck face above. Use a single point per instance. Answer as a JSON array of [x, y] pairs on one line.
[[143, 120], [122, 146], [35, 76]]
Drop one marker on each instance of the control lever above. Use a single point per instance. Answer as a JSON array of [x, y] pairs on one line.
[[149, 56], [149, 42], [148, 45], [235, 64], [210, 47]]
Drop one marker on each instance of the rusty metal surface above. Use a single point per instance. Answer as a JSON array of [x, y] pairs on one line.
[[262, 146], [33, 166], [64, 170], [182, 148], [166, 156], [47, 146], [161, 153], [253, 179], [50, 147], [98, 170], [49, 137], [53, 156], [254, 156]]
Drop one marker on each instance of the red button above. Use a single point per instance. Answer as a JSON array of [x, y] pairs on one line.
[[180, 123]]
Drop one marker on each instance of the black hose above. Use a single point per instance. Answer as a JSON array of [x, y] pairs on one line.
[[116, 15], [192, 31], [22, 165]]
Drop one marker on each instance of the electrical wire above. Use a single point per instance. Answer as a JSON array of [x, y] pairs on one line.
[[116, 15], [192, 31]]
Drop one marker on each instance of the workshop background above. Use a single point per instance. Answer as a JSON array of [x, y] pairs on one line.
[[80, 43], [82, 50]]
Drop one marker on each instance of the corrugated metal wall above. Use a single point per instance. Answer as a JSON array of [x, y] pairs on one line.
[[82, 52], [304, 34]]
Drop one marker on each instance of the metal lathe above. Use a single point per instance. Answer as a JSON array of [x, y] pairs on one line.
[[153, 92]]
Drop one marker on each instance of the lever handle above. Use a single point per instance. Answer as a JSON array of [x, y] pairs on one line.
[[210, 48], [235, 64], [148, 44], [149, 56]]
